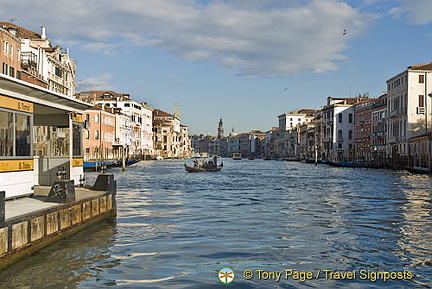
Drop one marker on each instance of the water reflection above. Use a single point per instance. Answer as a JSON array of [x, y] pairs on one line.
[[65, 263], [176, 230]]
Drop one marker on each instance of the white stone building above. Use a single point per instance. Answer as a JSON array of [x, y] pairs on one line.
[[139, 127], [50, 67], [338, 129], [409, 108]]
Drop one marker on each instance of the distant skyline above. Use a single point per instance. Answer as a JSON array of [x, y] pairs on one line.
[[245, 61]]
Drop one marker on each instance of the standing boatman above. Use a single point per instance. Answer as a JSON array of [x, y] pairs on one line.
[[215, 160]]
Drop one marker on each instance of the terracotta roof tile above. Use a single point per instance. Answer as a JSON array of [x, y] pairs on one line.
[[425, 66], [22, 32]]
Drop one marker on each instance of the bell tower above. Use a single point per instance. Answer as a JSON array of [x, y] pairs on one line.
[[220, 129]]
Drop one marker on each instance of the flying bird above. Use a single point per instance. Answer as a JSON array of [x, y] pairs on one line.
[[344, 32], [285, 88]]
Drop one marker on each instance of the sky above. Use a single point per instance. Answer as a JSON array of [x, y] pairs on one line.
[[245, 61]]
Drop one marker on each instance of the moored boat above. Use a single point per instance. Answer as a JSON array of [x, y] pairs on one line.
[[418, 170], [237, 156]]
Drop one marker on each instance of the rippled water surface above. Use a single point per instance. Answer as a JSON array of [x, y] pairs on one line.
[[176, 230]]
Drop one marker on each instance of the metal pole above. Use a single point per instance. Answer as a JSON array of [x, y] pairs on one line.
[[123, 158]]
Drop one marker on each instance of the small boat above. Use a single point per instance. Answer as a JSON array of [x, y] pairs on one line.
[[204, 166], [292, 159], [418, 170], [237, 156], [95, 165], [345, 164], [251, 158], [203, 169]]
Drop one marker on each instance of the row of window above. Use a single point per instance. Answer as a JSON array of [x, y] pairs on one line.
[[350, 118], [340, 137], [8, 70], [54, 141], [9, 48], [108, 137]]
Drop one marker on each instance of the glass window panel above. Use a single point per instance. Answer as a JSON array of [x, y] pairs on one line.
[[59, 141], [6, 133], [22, 135], [77, 140]]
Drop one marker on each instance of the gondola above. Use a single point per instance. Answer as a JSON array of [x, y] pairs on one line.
[[203, 169]]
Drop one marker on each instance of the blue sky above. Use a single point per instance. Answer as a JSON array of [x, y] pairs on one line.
[[246, 61]]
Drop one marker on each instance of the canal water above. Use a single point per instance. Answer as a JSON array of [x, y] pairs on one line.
[[316, 226]]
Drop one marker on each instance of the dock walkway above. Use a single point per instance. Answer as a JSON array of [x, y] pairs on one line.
[[30, 223], [27, 205]]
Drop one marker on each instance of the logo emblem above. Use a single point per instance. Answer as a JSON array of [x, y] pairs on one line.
[[226, 275]]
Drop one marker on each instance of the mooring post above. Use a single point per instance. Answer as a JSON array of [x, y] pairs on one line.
[[105, 182]]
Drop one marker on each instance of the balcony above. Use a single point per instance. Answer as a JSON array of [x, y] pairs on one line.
[[395, 112]]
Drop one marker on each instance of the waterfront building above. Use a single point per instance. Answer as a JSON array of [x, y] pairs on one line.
[[245, 140], [140, 130], [338, 128], [233, 143], [409, 109], [195, 143], [363, 133], [379, 132], [184, 142], [318, 141], [306, 140], [10, 52], [257, 143], [42, 63], [123, 136], [288, 137], [99, 135], [272, 142], [167, 134], [202, 144], [147, 143], [219, 147], [289, 121]]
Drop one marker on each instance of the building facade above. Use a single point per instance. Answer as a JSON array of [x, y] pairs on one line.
[[409, 107], [135, 134]]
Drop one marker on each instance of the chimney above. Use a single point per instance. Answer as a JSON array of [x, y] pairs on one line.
[[43, 34]]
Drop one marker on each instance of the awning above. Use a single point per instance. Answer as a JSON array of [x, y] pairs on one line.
[[41, 97]]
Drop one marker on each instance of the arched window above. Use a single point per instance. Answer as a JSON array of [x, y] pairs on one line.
[[340, 117], [340, 134], [87, 134], [96, 135], [96, 118], [350, 134], [350, 118]]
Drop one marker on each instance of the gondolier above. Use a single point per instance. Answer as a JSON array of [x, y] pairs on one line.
[[204, 166]]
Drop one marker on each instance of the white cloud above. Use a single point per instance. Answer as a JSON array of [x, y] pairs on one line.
[[100, 82], [256, 38], [105, 48], [416, 11]]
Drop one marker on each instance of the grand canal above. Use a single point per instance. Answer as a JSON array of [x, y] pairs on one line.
[[177, 230]]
